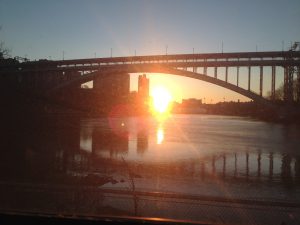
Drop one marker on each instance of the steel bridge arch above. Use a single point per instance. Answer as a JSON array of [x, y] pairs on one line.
[[159, 69]]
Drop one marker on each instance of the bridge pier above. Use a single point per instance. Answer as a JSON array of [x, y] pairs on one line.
[[237, 75], [216, 72], [249, 78], [261, 81], [273, 83], [205, 67], [226, 74]]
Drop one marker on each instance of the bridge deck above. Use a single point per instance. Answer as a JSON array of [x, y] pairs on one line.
[[275, 58]]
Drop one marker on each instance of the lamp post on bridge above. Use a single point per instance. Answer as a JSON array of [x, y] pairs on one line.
[[193, 54], [222, 46]]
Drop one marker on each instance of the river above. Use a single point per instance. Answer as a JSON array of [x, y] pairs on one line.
[[186, 156], [197, 147]]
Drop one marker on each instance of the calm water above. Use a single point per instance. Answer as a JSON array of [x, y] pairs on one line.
[[188, 155], [211, 145]]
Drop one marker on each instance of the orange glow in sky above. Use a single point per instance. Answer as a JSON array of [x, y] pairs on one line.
[[181, 87]]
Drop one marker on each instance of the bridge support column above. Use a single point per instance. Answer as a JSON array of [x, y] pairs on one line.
[[261, 81], [273, 83], [216, 71], [249, 78], [237, 75], [288, 84], [205, 68], [226, 74]]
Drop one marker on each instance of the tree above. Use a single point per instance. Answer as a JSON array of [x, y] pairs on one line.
[[4, 52], [279, 92]]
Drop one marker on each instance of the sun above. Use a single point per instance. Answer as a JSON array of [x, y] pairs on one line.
[[161, 99]]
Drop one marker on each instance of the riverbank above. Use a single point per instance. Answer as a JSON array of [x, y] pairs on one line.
[[290, 115], [24, 107]]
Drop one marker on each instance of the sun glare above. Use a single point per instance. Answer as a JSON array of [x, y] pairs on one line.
[[161, 99], [159, 135]]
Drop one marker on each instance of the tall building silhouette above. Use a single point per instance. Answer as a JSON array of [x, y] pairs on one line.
[[143, 94], [114, 86], [143, 87]]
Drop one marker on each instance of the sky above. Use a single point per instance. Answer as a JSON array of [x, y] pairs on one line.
[[40, 29]]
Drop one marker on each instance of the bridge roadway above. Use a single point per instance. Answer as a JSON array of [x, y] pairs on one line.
[[179, 64], [278, 58]]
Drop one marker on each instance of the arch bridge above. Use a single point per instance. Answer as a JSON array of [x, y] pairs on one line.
[[49, 76]]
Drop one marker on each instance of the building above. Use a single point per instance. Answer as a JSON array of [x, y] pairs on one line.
[[143, 94], [112, 86], [107, 92], [191, 103], [143, 87]]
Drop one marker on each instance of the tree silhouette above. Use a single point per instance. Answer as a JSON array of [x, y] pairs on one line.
[[4, 52], [279, 92]]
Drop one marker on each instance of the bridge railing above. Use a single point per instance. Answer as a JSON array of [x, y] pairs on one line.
[[213, 59]]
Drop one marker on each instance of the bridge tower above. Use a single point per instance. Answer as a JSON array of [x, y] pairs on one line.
[[288, 84], [289, 72]]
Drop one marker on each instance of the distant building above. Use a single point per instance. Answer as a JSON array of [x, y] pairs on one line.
[[113, 87], [143, 87], [143, 94], [191, 102], [106, 93], [192, 105]]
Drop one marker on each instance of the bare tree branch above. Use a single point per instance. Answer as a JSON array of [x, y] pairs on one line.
[[4, 52]]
